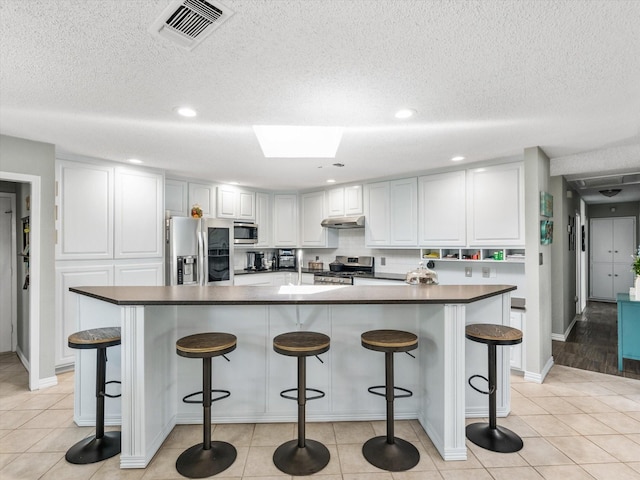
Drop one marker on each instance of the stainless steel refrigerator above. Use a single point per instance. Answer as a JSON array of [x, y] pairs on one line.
[[198, 251]]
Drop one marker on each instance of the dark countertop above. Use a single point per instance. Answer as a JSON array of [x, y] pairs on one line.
[[376, 275], [293, 295]]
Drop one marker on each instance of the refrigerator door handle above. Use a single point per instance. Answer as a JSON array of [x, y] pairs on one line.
[[201, 259], [205, 259]]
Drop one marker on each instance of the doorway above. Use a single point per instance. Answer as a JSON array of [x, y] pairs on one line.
[[32, 359], [8, 273]]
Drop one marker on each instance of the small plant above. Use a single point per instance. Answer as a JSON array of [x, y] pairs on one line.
[[635, 266]]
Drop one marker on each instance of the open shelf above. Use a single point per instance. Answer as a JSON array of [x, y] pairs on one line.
[[496, 254]]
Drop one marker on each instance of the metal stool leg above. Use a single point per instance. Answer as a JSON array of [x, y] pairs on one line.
[[490, 435], [302, 456], [209, 457], [102, 445], [389, 452]]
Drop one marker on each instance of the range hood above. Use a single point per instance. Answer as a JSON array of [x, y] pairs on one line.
[[356, 221]]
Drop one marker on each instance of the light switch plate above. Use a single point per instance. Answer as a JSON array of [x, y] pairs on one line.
[[485, 272], [468, 272]]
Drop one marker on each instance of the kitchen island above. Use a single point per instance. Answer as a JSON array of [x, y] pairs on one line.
[[154, 379]]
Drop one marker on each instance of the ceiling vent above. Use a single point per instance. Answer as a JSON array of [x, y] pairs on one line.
[[189, 22]]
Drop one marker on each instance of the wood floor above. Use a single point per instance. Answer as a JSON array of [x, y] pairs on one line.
[[593, 343]]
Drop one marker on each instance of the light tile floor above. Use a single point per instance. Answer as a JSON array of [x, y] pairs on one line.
[[577, 425]]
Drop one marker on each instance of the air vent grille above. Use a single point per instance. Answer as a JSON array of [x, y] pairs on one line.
[[188, 22], [193, 17]]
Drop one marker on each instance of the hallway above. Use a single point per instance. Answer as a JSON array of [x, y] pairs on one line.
[[593, 343]]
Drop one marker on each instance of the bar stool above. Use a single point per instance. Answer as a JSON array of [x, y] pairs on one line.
[[302, 456], [490, 435], [209, 457], [390, 452], [102, 445]]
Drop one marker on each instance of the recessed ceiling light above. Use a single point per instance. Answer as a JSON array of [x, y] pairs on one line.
[[457, 159], [479, 170], [234, 183], [331, 180], [287, 141], [134, 160], [405, 113], [186, 111]]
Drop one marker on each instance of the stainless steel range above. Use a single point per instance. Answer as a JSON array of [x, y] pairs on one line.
[[345, 269]]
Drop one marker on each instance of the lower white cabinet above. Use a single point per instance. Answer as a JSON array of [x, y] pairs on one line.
[[516, 319], [358, 281], [139, 274], [66, 313], [272, 279]]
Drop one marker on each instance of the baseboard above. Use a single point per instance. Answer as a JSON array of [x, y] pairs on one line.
[[539, 377], [47, 382], [563, 337], [24, 360]]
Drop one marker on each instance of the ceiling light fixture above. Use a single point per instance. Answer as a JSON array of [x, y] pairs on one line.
[[331, 180], [611, 192], [457, 159], [288, 141], [405, 113], [134, 160], [186, 111]]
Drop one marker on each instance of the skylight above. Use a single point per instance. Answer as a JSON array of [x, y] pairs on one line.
[[288, 141]]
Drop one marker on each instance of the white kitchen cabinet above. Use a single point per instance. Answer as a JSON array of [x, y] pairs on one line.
[[312, 212], [84, 210], [391, 213], [344, 201], [205, 196], [360, 281], [176, 198], [236, 203], [285, 220], [613, 241], [516, 320], [257, 279], [139, 274], [73, 274], [495, 205], [263, 219], [442, 209], [139, 214]]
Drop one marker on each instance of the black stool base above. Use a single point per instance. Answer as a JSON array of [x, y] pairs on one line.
[[92, 449], [497, 439], [196, 462], [291, 459], [393, 457]]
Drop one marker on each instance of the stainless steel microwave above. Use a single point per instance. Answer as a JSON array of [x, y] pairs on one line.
[[245, 233]]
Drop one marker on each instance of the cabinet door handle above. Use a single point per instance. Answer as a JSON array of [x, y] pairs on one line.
[[616, 275], [609, 274]]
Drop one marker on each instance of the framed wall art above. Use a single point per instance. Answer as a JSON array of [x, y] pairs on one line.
[[546, 204], [546, 232]]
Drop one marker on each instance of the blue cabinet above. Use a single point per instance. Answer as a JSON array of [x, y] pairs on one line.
[[628, 328]]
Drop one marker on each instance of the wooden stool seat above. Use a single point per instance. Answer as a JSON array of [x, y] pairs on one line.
[[301, 344], [203, 345], [95, 338], [103, 444], [389, 340], [493, 334]]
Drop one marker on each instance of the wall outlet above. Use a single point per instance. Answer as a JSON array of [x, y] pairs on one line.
[[468, 271], [486, 272], [383, 261]]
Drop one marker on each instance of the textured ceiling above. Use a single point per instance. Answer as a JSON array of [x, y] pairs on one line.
[[487, 78]]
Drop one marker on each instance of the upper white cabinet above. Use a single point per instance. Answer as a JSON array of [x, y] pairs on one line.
[[285, 220], [495, 205], [203, 195], [345, 201], [442, 209], [391, 213], [236, 203], [263, 219], [139, 213], [312, 212], [176, 198], [84, 210]]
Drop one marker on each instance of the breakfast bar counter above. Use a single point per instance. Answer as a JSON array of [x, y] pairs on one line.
[[154, 379]]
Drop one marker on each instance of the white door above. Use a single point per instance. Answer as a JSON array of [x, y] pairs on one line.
[[7, 270]]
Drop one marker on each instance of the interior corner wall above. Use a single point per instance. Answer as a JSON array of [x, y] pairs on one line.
[[23, 300], [537, 332], [563, 260], [27, 157]]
